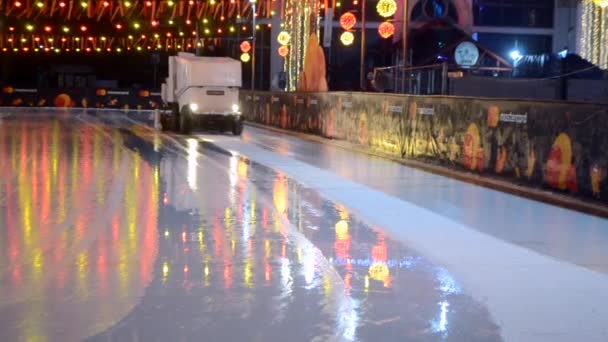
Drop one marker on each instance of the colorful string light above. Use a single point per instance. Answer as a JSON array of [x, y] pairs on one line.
[[593, 38]]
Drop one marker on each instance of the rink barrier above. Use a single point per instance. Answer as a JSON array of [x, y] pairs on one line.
[[98, 98], [551, 145]]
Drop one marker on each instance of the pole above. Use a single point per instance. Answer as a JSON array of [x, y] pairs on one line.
[[444, 78], [362, 76], [197, 48], [253, 47], [404, 36], [155, 72]]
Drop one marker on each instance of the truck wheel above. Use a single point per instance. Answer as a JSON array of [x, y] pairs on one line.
[[237, 128], [169, 121], [185, 122]]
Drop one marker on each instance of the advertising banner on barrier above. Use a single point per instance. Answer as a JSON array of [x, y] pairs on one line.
[[560, 146], [80, 98]]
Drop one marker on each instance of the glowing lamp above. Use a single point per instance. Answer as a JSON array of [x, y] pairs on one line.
[[83, 28], [283, 38], [347, 38], [17, 4], [386, 29], [47, 28], [283, 51], [386, 8], [245, 57], [118, 26], [348, 21], [62, 4], [245, 46]]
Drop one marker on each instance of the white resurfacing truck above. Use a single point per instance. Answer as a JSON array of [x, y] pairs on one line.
[[202, 92]]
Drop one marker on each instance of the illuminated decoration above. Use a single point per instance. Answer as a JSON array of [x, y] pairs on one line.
[[386, 29], [386, 8], [348, 21], [347, 38], [245, 57], [283, 51], [116, 20], [601, 3], [593, 32], [245, 46], [301, 19], [283, 38]]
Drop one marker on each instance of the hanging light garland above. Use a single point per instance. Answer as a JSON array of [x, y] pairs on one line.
[[300, 19], [601, 3], [593, 28], [79, 24]]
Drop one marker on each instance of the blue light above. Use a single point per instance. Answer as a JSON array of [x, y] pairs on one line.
[[438, 8], [515, 54]]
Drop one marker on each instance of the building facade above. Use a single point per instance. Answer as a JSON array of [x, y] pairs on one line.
[[525, 27]]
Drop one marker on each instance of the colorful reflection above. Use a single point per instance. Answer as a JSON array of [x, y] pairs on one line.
[[80, 239], [246, 262]]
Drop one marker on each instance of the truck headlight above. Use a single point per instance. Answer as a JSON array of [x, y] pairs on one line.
[[193, 107], [235, 108]]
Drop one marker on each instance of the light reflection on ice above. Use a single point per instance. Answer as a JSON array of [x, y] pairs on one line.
[[192, 163], [448, 284], [441, 323]]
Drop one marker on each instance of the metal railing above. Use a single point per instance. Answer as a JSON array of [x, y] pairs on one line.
[[423, 80]]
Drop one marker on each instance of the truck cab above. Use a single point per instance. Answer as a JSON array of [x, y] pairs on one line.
[[202, 92]]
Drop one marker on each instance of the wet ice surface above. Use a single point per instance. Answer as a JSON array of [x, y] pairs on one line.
[[111, 232], [564, 234]]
